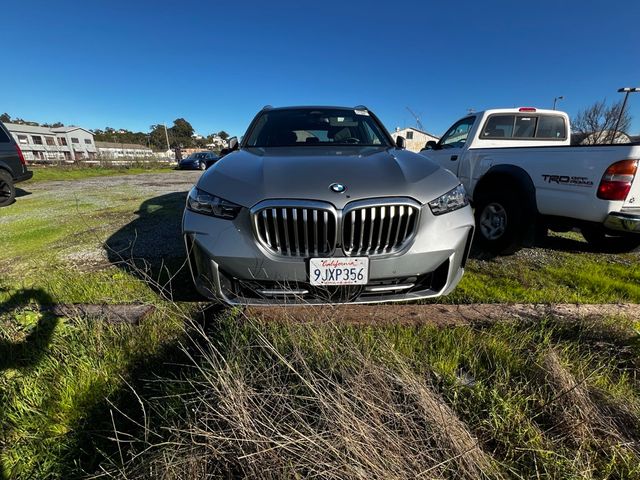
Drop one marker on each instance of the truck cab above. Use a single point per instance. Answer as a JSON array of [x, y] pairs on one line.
[[499, 128], [521, 172]]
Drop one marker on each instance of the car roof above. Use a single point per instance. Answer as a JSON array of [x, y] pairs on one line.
[[320, 107]]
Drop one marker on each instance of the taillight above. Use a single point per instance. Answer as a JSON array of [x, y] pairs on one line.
[[616, 181], [20, 156]]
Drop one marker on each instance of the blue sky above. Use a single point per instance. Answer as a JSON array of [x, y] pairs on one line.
[[132, 64]]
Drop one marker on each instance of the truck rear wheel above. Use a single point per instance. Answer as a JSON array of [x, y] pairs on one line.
[[605, 241], [499, 221], [7, 189]]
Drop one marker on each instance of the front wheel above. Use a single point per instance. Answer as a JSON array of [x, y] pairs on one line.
[[202, 166], [604, 241], [500, 223], [7, 189]]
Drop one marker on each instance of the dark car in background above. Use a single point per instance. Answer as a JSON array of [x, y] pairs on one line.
[[198, 161], [13, 168]]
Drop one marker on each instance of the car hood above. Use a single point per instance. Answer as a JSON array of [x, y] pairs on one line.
[[251, 175]]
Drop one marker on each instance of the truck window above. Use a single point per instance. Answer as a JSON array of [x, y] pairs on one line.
[[457, 135], [499, 126], [525, 127], [551, 126], [4, 138]]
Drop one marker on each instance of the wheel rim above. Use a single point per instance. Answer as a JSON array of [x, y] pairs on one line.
[[202, 166], [493, 221]]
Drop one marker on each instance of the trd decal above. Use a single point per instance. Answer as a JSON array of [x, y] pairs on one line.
[[567, 180]]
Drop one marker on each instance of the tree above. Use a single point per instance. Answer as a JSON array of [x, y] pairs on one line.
[[157, 137], [596, 123], [181, 134], [223, 135], [5, 118]]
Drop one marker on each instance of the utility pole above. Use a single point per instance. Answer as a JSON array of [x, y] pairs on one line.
[[166, 135], [626, 91]]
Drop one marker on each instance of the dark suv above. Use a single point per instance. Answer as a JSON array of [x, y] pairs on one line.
[[12, 167]]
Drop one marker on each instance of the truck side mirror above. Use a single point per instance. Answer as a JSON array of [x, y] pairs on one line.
[[400, 143], [431, 144], [233, 144]]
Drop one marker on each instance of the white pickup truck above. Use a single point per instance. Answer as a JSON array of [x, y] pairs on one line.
[[524, 177]]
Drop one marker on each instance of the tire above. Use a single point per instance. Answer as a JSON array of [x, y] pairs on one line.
[[7, 189], [603, 241], [202, 166], [500, 222]]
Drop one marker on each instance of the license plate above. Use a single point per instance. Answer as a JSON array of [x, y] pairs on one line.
[[339, 271]]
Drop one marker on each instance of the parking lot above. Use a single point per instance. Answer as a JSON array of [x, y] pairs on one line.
[[115, 240]]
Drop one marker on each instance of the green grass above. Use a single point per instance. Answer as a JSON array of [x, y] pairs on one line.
[[57, 173], [60, 378]]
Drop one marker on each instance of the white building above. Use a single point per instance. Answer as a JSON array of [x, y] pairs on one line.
[[217, 142], [53, 144], [114, 150], [415, 139]]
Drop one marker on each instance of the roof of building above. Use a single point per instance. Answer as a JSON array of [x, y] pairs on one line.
[[417, 130], [129, 146], [21, 128], [68, 129]]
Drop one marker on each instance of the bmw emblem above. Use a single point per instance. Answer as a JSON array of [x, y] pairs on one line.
[[337, 187]]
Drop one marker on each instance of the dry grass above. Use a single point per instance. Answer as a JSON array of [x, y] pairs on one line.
[[368, 420]]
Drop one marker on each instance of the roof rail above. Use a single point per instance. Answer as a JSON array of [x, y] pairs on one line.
[[360, 107], [267, 107]]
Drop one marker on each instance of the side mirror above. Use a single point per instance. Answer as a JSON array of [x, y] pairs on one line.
[[400, 143], [431, 144], [233, 144]]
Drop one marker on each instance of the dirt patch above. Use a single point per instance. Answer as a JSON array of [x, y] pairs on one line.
[[441, 315]]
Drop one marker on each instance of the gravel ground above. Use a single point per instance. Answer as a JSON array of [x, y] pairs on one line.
[[149, 184]]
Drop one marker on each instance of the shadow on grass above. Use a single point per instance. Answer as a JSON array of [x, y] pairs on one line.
[[28, 352], [151, 247], [21, 193], [95, 442]]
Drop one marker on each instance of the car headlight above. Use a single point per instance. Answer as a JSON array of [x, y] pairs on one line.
[[450, 201], [200, 201]]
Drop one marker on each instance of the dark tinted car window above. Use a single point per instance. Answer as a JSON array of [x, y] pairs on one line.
[[4, 138], [525, 127], [551, 127], [499, 126], [315, 126]]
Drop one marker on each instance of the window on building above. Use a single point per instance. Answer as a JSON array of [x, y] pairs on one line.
[[50, 140], [23, 139], [37, 139], [62, 141], [75, 140], [67, 155], [87, 141], [409, 135]]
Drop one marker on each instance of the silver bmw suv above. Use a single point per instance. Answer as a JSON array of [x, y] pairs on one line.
[[319, 205]]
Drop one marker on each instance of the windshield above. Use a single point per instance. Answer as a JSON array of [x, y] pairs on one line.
[[316, 127], [196, 156]]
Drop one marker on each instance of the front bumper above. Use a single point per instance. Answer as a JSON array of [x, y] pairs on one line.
[[227, 264], [623, 222]]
